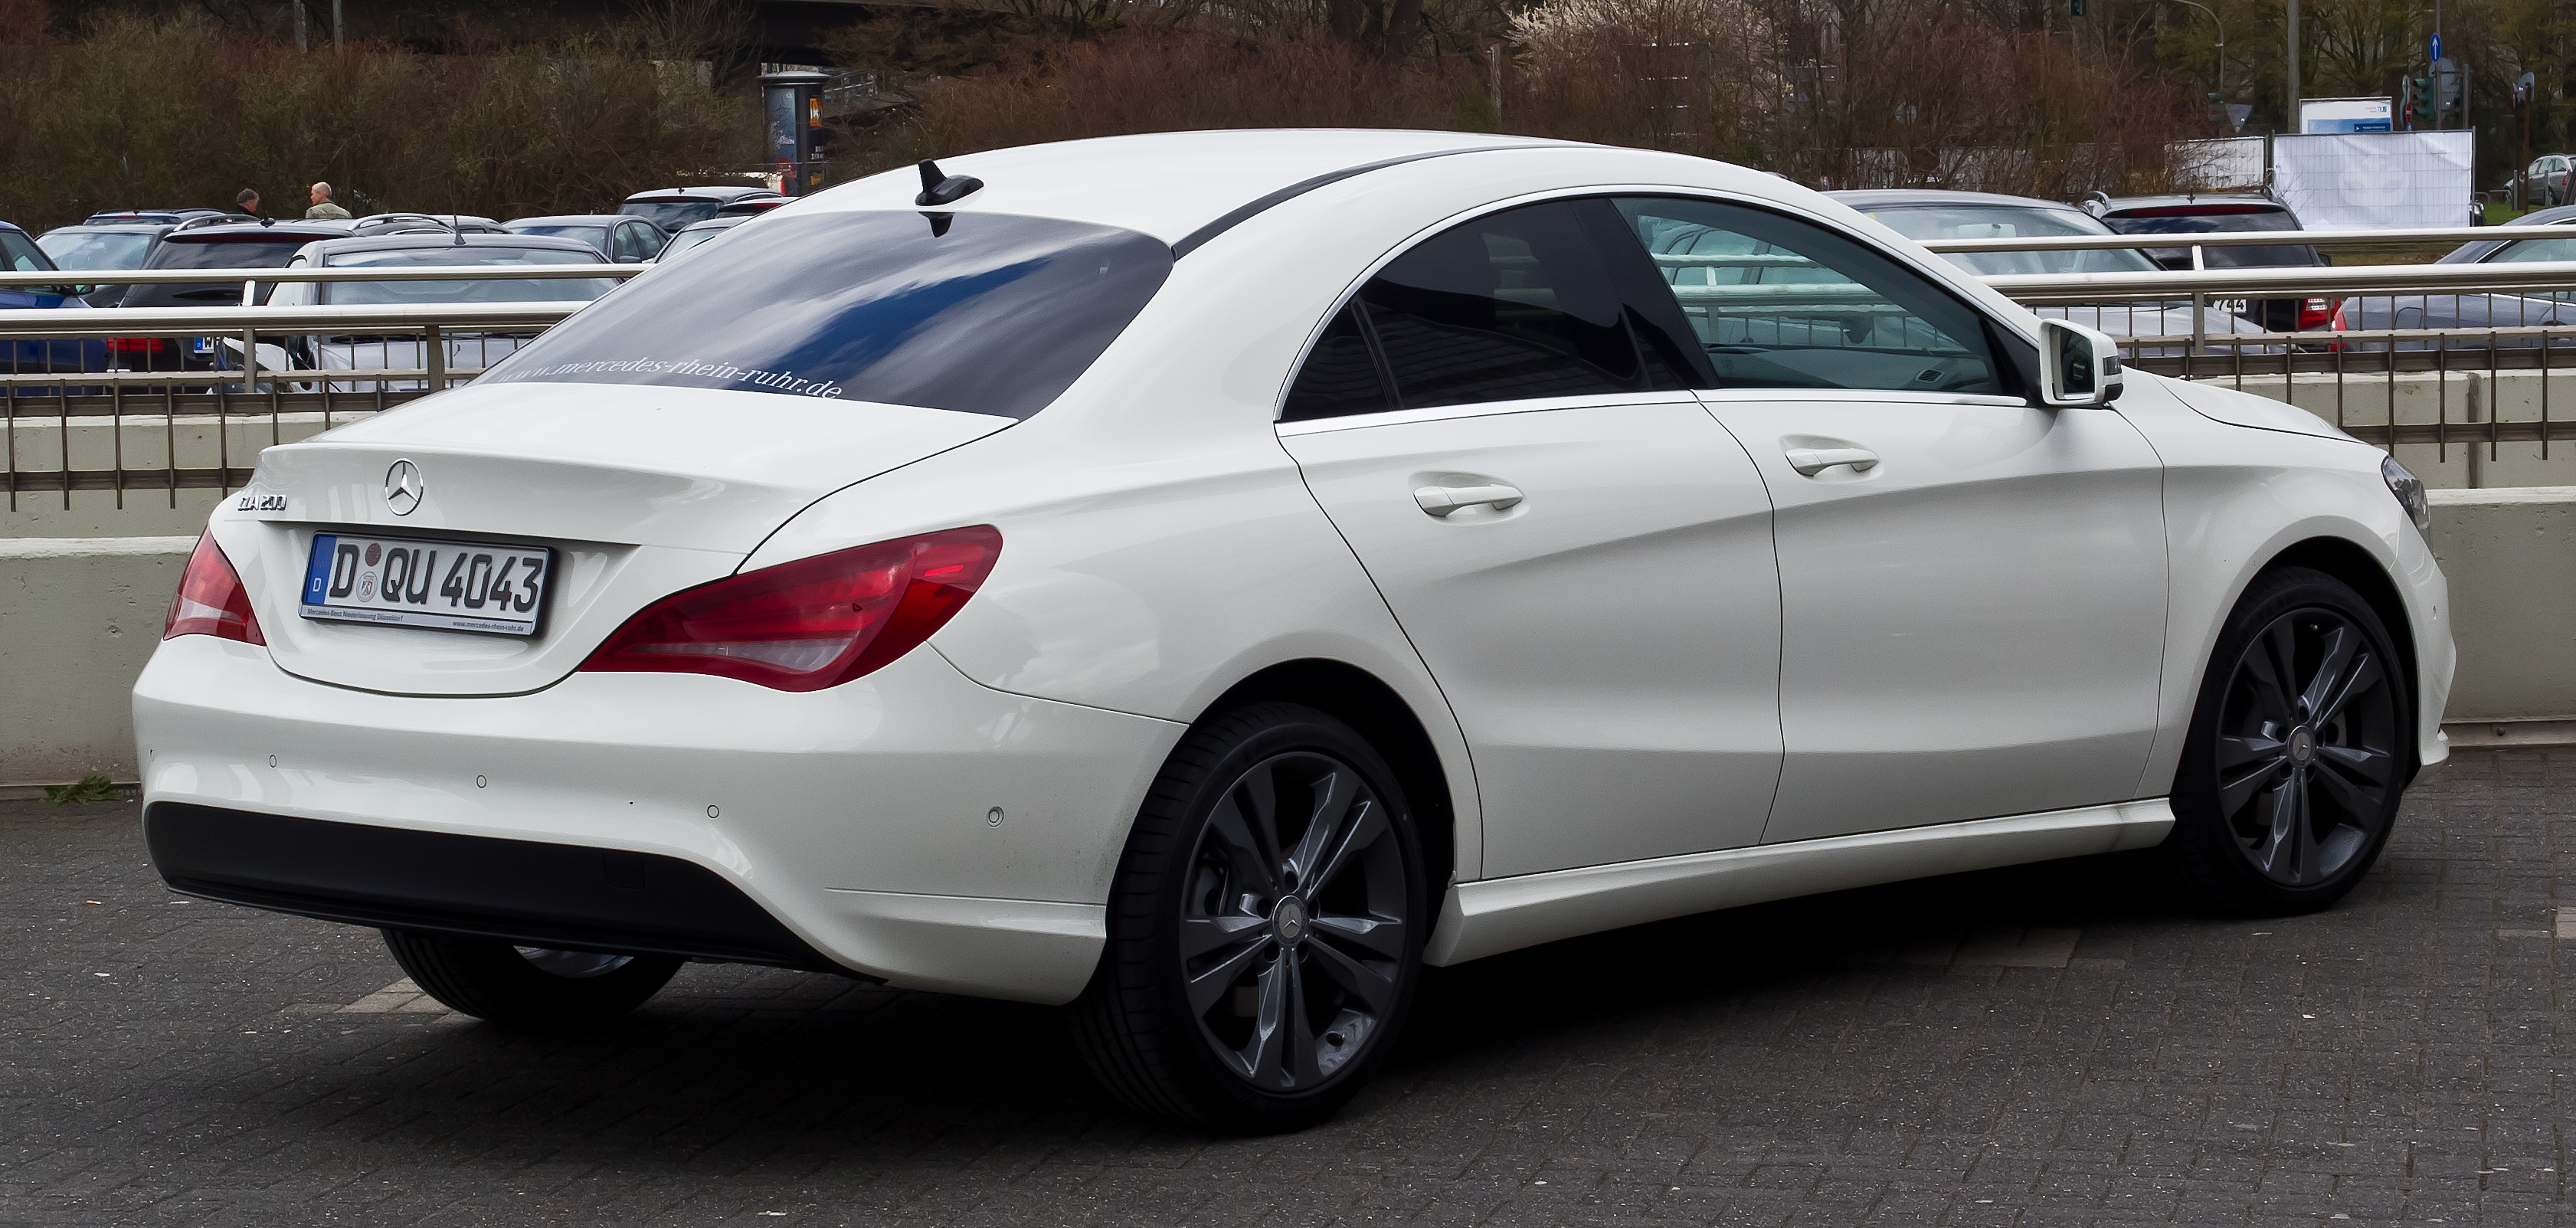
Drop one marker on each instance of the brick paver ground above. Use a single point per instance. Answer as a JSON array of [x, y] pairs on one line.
[[2040, 1046]]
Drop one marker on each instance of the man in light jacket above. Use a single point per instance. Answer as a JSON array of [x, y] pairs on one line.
[[322, 208]]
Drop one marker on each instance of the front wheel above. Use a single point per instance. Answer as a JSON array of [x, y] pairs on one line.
[[1265, 928], [2298, 751], [529, 987]]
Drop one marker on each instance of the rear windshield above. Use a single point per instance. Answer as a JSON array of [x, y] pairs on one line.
[[671, 214], [1928, 223], [524, 290], [979, 312], [263, 252], [2222, 223], [97, 249], [596, 236]]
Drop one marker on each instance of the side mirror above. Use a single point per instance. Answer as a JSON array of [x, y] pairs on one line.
[[2078, 367]]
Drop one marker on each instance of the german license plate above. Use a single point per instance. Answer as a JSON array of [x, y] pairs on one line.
[[447, 585]]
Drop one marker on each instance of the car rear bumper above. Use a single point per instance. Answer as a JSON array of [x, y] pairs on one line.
[[912, 826]]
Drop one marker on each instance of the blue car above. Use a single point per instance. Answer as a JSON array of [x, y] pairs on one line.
[[21, 255]]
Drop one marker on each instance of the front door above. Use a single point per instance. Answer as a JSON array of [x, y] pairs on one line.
[[1972, 586]]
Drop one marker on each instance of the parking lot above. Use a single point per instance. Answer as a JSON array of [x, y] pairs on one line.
[[2047, 1045]]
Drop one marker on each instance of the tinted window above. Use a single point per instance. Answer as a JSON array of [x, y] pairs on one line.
[[1932, 222], [2221, 223], [248, 253], [96, 249], [23, 254], [1778, 303], [596, 236], [1340, 375], [1511, 306], [671, 214], [985, 313], [528, 290]]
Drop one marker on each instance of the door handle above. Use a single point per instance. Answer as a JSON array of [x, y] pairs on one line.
[[1442, 500], [1812, 461]]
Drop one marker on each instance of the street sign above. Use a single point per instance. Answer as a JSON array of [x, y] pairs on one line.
[[2437, 49]]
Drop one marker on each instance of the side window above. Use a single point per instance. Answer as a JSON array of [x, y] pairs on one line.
[[1515, 305], [626, 243], [24, 256], [1780, 303]]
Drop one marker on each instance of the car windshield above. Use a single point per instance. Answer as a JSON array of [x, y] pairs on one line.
[[1929, 222], [596, 236], [497, 290], [97, 249], [2230, 220], [248, 252], [687, 239], [2530, 250], [978, 312], [671, 214]]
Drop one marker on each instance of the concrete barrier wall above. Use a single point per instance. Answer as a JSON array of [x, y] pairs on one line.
[[79, 616]]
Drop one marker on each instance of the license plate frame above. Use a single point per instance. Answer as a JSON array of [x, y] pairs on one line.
[[434, 584]]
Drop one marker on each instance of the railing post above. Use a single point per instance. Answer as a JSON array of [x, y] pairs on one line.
[[433, 352], [2199, 323]]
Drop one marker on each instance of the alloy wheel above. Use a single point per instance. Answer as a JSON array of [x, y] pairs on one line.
[[1292, 928], [2307, 747]]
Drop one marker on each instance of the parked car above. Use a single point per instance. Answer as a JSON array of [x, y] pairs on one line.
[[21, 254], [2468, 312], [378, 352], [224, 245], [673, 208], [1205, 607], [696, 233], [1924, 215], [163, 217], [2202, 214], [2544, 183], [97, 246], [614, 236]]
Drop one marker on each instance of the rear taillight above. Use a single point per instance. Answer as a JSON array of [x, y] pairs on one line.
[[211, 599], [813, 623], [2316, 313], [136, 345]]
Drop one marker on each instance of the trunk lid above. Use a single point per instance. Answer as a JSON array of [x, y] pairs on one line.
[[640, 492]]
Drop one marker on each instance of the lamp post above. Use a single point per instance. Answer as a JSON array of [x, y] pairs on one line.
[[2222, 47], [2291, 101]]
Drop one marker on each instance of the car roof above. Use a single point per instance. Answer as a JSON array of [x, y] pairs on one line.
[[146, 228], [1866, 199], [323, 251], [575, 219], [1172, 185], [2186, 200], [283, 230], [721, 192], [13, 226], [2479, 249]]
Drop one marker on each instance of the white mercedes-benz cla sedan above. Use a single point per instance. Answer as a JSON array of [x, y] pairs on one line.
[[1202, 579]]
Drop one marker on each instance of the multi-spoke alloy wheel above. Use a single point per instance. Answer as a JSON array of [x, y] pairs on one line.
[[2298, 752], [1266, 928]]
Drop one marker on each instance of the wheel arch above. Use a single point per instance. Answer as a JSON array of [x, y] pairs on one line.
[[1365, 703], [2354, 564]]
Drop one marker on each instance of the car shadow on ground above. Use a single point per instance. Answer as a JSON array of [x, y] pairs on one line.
[[735, 1066]]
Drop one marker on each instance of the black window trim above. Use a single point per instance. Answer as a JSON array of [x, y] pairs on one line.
[[2020, 369]]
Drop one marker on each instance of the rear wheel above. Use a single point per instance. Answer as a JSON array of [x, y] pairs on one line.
[[1265, 930], [2297, 755], [532, 987]]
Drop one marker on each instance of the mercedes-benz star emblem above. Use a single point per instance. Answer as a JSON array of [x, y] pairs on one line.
[[403, 487]]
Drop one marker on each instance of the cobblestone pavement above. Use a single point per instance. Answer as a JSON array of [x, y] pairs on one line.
[[2039, 1046]]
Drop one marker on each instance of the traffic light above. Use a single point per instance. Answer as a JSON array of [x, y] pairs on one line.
[[2427, 102]]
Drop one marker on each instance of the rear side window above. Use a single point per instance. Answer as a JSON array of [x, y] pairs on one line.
[[1522, 304], [24, 256], [978, 312]]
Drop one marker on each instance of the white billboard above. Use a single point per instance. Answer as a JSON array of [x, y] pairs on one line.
[[2318, 115], [2375, 180]]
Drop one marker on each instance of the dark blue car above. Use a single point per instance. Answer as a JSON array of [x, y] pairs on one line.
[[21, 255]]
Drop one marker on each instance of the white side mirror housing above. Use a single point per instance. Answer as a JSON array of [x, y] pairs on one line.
[[2078, 367]]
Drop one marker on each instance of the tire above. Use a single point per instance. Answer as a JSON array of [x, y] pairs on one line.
[[1293, 989], [2286, 794], [528, 987]]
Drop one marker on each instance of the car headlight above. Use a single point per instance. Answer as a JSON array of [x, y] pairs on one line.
[[2409, 490]]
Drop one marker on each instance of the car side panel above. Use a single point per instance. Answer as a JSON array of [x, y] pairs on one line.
[[2235, 498]]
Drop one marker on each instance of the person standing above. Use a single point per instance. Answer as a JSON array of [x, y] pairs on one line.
[[247, 202], [322, 208]]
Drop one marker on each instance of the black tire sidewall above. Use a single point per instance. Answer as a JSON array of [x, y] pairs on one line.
[[1146, 907], [489, 979], [2202, 848]]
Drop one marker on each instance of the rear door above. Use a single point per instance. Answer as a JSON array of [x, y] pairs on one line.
[[1972, 586], [1579, 552]]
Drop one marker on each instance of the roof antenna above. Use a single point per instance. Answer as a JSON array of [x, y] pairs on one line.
[[938, 188]]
